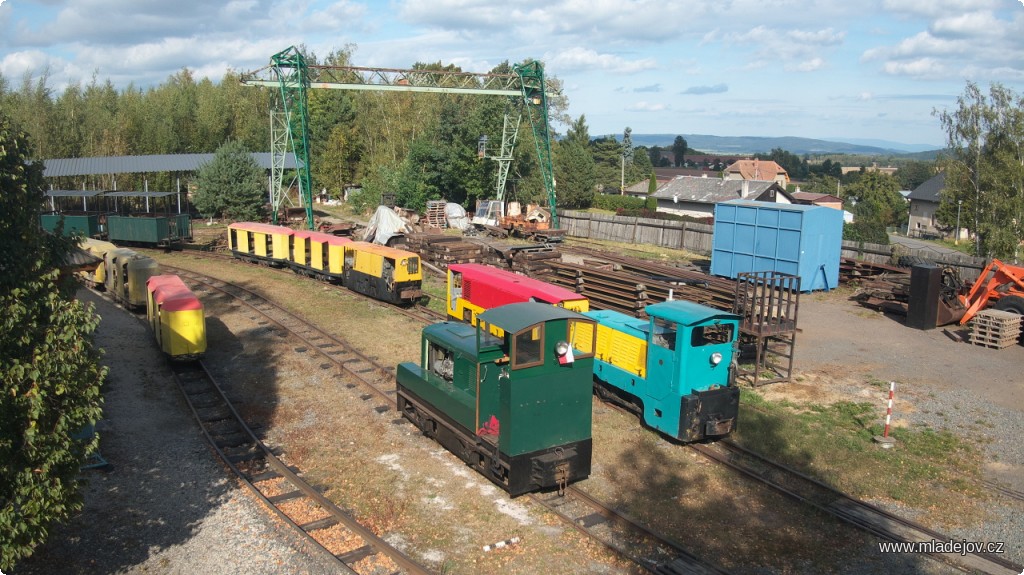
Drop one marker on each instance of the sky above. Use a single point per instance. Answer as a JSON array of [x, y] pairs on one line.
[[838, 70]]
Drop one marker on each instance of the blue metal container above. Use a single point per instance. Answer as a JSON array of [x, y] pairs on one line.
[[800, 240]]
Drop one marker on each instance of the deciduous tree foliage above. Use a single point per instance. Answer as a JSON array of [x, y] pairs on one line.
[[49, 367], [985, 168], [875, 197], [231, 185]]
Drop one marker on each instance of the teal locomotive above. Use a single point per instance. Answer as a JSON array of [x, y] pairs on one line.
[[675, 369], [511, 396]]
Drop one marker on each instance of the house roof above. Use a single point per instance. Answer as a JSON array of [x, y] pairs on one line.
[[713, 190], [929, 190], [815, 197], [640, 187], [756, 169]]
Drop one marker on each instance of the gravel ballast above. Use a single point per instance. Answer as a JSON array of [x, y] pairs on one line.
[[166, 505]]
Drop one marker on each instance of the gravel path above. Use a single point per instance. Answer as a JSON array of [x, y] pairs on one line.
[[166, 506]]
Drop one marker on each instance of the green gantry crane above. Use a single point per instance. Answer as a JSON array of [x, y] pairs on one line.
[[289, 73]]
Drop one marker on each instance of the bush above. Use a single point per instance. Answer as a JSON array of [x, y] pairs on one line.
[[866, 231], [615, 202]]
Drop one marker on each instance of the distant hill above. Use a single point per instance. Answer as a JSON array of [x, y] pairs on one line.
[[745, 145]]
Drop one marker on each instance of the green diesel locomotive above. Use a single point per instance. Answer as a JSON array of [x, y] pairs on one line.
[[511, 396]]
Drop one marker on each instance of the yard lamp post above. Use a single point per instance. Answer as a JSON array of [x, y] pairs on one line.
[[956, 238]]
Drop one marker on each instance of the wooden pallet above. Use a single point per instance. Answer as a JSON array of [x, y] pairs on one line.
[[995, 328]]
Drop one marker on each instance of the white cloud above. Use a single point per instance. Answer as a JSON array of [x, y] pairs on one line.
[[577, 59], [970, 24], [937, 8], [920, 68], [807, 65], [646, 107]]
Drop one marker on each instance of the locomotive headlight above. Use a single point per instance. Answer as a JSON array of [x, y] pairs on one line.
[[404, 262], [562, 348], [716, 358]]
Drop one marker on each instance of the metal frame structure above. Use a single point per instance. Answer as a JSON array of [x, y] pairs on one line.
[[289, 73], [768, 304]]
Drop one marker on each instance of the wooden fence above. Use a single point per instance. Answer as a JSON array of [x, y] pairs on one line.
[[664, 233], [697, 238]]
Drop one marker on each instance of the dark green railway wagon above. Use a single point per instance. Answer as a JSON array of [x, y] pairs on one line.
[[153, 230], [511, 397], [87, 225]]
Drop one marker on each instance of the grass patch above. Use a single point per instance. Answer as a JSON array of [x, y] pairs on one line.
[[935, 471]]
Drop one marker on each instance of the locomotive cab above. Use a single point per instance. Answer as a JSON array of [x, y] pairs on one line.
[[510, 397]]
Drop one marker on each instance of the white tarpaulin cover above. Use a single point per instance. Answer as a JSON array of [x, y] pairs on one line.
[[456, 216], [384, 224]]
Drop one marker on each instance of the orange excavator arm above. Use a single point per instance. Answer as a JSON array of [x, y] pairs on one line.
[[983, 289]]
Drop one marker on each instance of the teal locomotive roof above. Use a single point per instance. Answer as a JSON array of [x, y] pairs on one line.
[[687, 312], [517, 316]]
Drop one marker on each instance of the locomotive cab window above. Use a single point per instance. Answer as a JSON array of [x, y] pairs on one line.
[[664, 334], [440, 362], [711, 334], [528, 347]]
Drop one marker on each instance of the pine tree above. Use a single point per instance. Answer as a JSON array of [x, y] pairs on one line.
[[231, 185]]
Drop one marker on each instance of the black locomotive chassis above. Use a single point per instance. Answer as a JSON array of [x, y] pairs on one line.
[[536, 471], [710, 413]]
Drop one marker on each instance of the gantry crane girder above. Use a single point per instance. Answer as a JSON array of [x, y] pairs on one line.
[[289, 73]]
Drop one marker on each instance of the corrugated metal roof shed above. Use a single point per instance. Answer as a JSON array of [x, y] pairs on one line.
[[143, 164], [137, 194], [72, 193]]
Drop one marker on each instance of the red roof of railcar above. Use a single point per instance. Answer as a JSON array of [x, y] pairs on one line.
[[172, 294], [260, 227], [493, 286], [323, 238]]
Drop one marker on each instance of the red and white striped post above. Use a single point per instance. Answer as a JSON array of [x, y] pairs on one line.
[[884, 440]]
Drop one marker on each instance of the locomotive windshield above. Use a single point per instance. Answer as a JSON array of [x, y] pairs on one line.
[[711, 334], [528, 347]]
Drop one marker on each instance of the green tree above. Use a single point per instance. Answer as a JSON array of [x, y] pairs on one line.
[[875, 197], [679, 147], [574, 167], [49, 367], [231, 185], [912, 174], [985, 168], [607, 153]]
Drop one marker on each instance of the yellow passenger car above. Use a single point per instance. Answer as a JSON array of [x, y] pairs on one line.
[[318, 254], [382, 272], [177, 318], [260, 242], [99, 248], [126, 275]]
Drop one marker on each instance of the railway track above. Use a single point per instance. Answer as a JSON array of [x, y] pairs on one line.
[[623, 535], [1002, 490], [352, 547], [850, 510], [379, 381]]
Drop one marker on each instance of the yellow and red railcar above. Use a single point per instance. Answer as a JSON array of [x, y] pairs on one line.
[[318, 255], [260, 243], [177, 318], [475, 288]]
